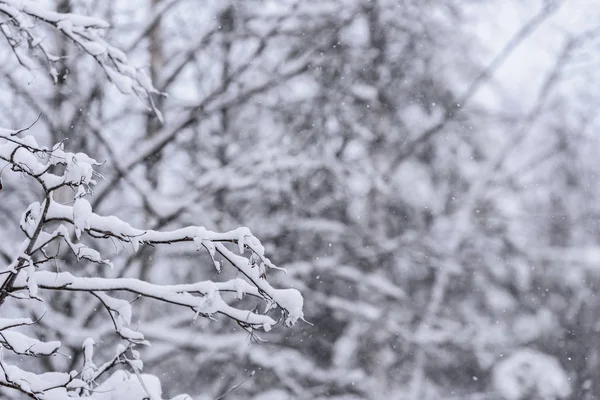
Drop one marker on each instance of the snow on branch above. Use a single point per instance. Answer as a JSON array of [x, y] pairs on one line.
[[46, 224], [22, 31]]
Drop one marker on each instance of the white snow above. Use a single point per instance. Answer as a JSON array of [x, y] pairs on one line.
[[528, 373]]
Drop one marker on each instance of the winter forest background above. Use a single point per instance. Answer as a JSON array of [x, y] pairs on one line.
[[426, 171]]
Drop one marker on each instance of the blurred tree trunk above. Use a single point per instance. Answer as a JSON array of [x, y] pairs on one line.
[[152, 163]]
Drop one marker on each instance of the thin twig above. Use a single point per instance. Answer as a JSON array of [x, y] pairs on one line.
[[236, 386]]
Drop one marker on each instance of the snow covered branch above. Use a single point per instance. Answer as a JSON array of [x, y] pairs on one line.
[[23, 33], [47, 224]]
